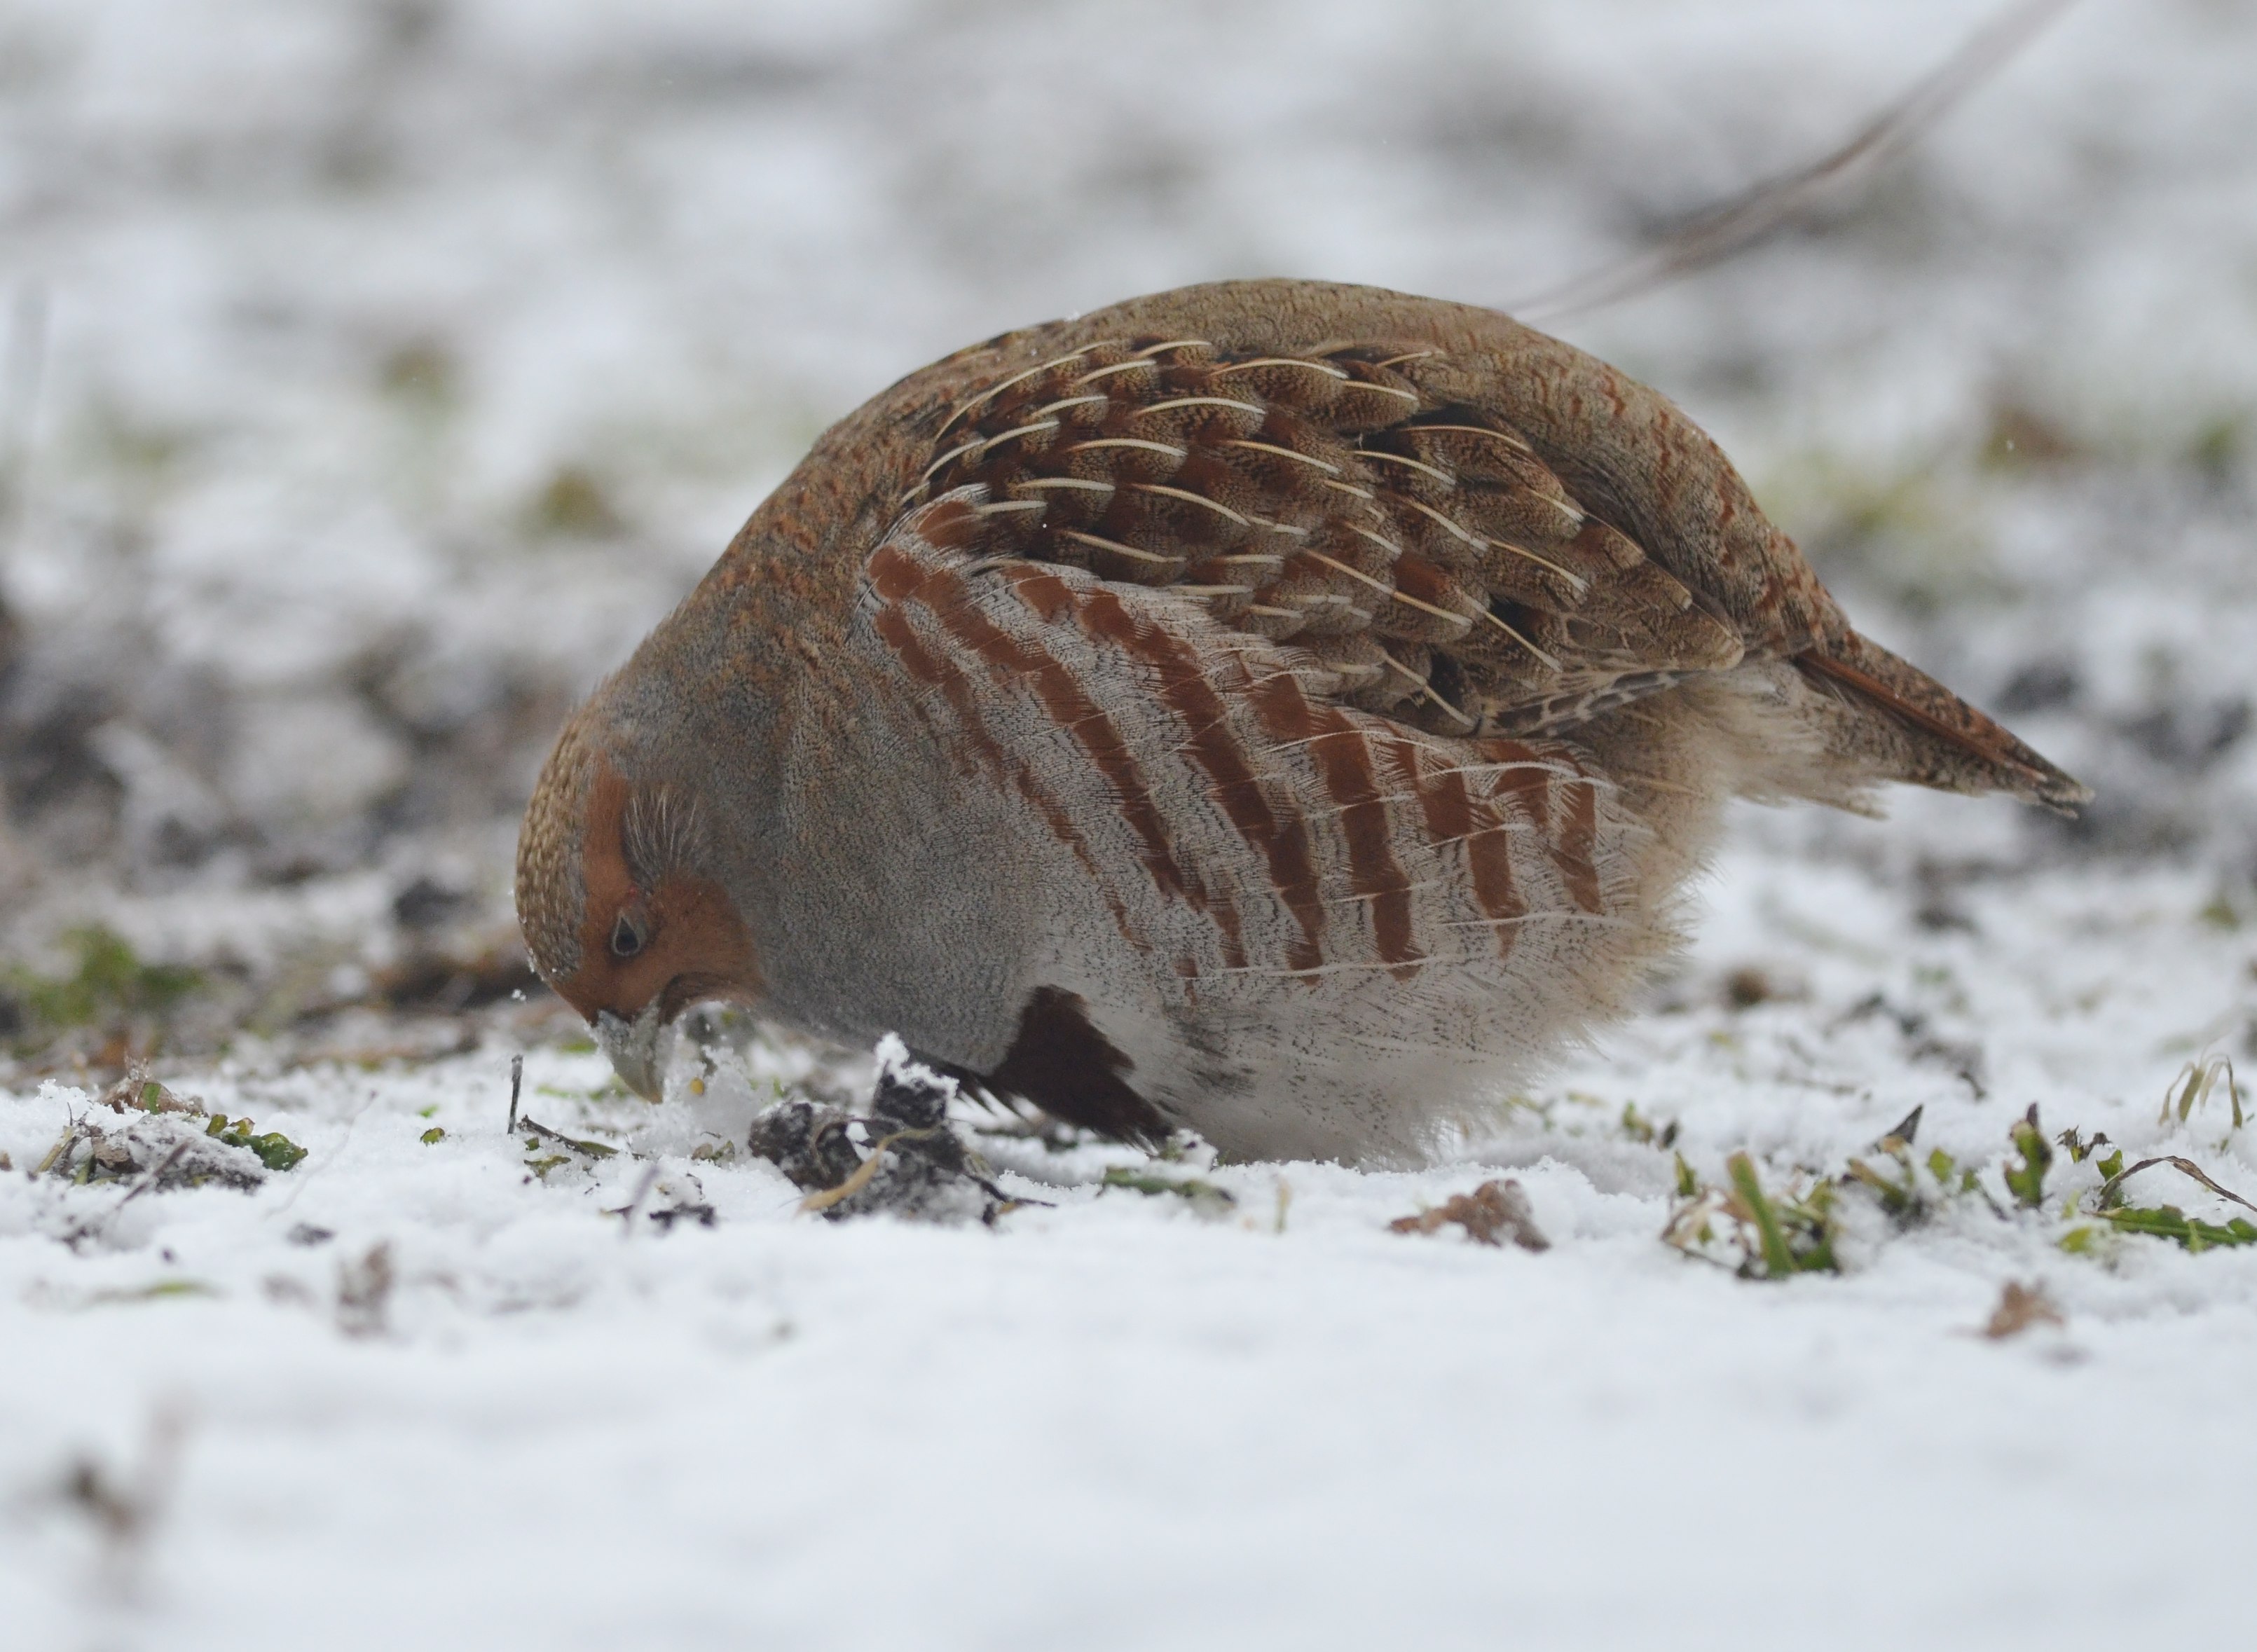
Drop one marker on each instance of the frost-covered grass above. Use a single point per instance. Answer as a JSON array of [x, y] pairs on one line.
[[439, 1391]]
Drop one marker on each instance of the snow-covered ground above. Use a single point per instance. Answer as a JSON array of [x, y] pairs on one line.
[[375, 372], [1120, 1419]]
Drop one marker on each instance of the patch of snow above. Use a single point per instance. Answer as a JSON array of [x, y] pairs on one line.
[[1116, 1422]]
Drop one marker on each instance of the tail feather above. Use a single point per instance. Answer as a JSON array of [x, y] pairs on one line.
[[1952, 746]]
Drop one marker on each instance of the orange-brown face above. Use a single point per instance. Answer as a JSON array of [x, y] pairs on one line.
[[648, 951]]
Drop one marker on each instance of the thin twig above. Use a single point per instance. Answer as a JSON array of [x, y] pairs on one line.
[[150, 1180], [516, 1084], [2184, 1167], [1738, 221], [27, 357], [593, 1149], [634, 1206]]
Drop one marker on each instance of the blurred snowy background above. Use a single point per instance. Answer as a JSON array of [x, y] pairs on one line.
[[374, 373], [377, 371]]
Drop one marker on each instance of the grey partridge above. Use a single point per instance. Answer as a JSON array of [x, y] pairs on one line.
[[1281, 710]]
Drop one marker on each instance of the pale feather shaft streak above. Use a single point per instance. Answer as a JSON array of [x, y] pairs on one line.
[[1098, 398], [1189, 498], [1096, 542], [1581, 585], [1394, 551], [1084, 485], [1255, 408], [1411, 396], [1133, 365], [1426, 691], [1550, 663], [1382, 456], [1326, 368], [949, 458], [1517, 766], [995, 390], [1276, 452], [1386, 590], [1505, 436], [1598, 920], [1576, 582], [1127, 442], [1021, 430]]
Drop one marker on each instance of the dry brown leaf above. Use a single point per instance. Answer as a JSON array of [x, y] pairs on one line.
[[1493, 1212], [2020, 1307]]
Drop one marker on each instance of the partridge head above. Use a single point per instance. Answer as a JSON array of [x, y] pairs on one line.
[[1285, 710]]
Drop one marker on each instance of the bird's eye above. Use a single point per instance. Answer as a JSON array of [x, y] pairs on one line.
[[627, 937]]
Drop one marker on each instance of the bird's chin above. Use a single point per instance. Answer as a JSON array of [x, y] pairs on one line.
[[633, 1047]]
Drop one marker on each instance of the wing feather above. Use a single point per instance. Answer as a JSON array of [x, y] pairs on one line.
[[1416, 545]]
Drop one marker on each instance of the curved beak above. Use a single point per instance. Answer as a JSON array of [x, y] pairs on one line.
[[634, 1048]]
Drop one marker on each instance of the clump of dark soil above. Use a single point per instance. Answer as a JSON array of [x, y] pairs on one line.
[[902, 1157]]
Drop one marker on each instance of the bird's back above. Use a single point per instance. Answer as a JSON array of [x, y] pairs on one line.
[[1477, 527]]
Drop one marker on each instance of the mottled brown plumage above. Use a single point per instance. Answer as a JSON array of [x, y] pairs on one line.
[[1281, 708]]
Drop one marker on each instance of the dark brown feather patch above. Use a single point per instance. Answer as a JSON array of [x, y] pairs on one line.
[[1068, 1069]]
